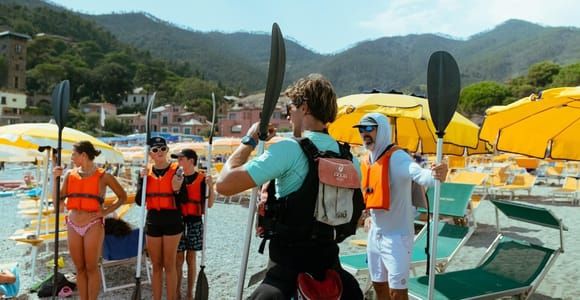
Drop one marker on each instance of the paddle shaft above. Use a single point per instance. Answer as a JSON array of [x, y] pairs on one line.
[[209, 169], [248, 237], [57, 212]]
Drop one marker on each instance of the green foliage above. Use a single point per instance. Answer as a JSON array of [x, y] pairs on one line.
[[568, 76], [542, 74], [116, 126], [477, 97]]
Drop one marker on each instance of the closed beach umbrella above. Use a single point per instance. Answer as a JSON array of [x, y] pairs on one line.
[[410, 118], [544, 126], [33, 135]]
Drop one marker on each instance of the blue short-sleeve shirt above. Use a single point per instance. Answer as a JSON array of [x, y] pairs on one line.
[[286, 162]]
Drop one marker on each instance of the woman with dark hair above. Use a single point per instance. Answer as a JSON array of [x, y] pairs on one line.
[[84, 189], [164, 223]]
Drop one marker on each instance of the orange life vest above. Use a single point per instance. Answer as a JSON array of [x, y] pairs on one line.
[[159, 191], [193, 206], [375, 181], [84, 193]]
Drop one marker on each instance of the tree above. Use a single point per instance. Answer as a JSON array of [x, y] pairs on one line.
[[568, 76], [477, 97], [541, 75], [114, 82]]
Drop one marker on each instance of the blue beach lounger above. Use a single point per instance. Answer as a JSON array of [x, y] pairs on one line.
[[510, 267]]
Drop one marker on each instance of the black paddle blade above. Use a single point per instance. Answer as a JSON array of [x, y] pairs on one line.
[[148, 118], [60, 103], [201, 287], [275, 79], [212, 119], [136, 295], [443, 86]]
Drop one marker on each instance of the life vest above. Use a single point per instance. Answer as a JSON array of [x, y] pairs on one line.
[[84, 193], [193, 206], [159, 191], [375, 181]]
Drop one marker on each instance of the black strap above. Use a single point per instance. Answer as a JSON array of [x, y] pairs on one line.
[[84, 195]]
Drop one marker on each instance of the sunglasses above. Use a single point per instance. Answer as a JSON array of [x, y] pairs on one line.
[[297, 102], [157, 149], [368, 128]]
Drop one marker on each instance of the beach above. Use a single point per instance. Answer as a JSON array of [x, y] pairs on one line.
[[226, 231]]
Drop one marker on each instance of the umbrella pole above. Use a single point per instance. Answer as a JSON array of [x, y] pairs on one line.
[[39, 217]]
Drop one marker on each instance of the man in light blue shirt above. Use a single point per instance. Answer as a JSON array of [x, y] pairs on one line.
[[313, 106]]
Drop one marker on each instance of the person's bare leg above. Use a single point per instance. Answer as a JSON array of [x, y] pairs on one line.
[[191, 273], [399, 294], [170, 243], [77, 254], [93, 244], [179, 270], [155, 250], [382, 290]]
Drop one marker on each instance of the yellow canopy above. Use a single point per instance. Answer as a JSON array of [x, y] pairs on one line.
[[412, 126], [547, 126], [32, 135]]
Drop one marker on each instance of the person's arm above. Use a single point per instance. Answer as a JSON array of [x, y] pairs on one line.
[[57, 171], [112, 182], [234, 178], [7, 277], [208, 184]]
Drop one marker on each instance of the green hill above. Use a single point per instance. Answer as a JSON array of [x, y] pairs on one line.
[[239, 60]]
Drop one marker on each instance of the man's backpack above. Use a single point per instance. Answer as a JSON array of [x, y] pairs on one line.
[[326, 207]]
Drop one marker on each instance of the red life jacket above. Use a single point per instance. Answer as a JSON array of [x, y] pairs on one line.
[[159, 191], [193, 206], [84, 193], [375, 181]]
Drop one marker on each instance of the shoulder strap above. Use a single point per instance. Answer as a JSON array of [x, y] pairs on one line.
[[308, 148]]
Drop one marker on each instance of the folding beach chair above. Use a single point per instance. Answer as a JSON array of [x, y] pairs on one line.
[[454, 201], [120, 251], [570, 189], [509, 267], [521, 182]]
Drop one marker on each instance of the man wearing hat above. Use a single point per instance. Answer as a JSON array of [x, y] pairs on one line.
[[387, 174], [192, 197]]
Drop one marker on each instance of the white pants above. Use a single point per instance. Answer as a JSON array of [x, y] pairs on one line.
[[389, 258]]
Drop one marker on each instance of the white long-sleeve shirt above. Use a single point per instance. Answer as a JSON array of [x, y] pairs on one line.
[[399, 218]]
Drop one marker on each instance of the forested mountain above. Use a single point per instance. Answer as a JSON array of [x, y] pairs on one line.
[[239, 60], [392, 62]]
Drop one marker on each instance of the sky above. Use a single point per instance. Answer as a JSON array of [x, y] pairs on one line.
[[330, 26]]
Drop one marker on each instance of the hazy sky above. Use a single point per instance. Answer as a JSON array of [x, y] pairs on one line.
[[328, 26]]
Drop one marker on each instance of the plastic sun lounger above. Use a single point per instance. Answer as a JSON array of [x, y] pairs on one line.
[[521, 182], [454, 200], [570, 189], [510, 267]]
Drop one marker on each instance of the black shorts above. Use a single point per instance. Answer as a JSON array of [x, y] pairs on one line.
[[163, 222]]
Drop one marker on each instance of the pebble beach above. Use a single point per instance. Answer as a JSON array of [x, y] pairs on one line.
[[226, 231]]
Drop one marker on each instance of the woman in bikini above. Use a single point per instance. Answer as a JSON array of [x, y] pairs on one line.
[[164, 223], [84, 189]]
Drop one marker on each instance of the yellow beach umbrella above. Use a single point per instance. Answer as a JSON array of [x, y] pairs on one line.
[[33, 135], [547, 126], [410, 118]]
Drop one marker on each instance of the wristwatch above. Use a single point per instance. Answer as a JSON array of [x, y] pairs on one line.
[[250, 141]]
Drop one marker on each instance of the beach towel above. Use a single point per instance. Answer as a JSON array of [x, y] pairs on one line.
[[11, 290]]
